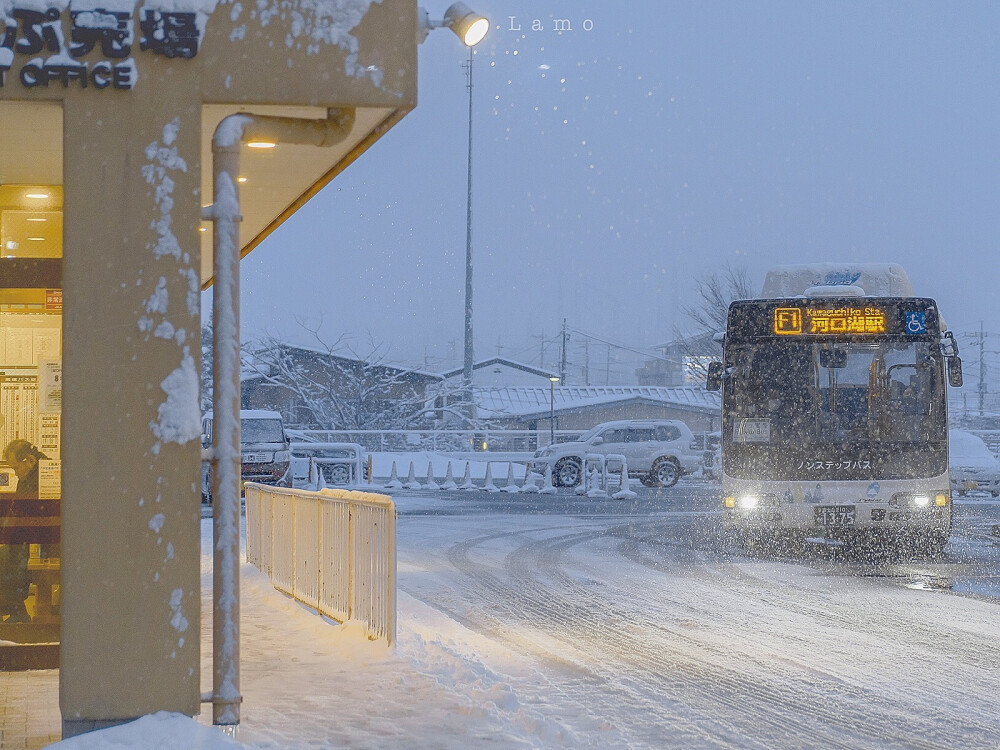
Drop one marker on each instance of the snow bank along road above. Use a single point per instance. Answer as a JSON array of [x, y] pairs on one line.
[[641, 628]]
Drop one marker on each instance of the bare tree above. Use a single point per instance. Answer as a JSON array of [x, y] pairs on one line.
[[206, 367], [716, 290], [706, 317], [333, 385]]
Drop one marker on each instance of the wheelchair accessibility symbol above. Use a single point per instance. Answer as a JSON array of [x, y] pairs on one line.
[[916, 322]]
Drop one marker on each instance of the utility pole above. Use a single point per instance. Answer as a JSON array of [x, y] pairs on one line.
[[982, 367], [607, 368], [562, 361], [586, 360]]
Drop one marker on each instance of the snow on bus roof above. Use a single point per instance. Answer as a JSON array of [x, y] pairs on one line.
[[876, 279]]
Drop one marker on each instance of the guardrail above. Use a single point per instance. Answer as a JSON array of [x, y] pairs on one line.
[[332, 550], [341, 463], [485, 440]]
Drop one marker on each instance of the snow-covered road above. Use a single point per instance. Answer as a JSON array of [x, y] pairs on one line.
[[642, 629]]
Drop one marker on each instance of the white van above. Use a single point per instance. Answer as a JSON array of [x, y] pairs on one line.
[[266, 457]]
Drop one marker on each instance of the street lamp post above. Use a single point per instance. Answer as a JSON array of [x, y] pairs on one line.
[[471, 28], [552, 409], [468, 356]]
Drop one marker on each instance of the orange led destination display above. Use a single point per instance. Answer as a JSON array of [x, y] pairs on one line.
[[791, 321]]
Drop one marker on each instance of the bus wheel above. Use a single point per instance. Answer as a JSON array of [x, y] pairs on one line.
[[567, 473]]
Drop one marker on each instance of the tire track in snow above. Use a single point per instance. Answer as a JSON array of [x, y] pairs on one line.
[[612, 652]]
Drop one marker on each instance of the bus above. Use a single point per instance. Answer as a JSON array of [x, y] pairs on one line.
[[835, 411]]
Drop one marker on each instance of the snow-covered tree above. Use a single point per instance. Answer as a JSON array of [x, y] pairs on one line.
[[332, 385], [206, 366]]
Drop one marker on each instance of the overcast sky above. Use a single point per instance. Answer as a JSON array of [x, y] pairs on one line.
[[612, 167]]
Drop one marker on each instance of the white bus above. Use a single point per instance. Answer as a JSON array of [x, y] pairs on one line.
[[834, 411]]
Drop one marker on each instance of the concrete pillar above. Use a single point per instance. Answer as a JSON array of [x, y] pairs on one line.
[[131, 504]]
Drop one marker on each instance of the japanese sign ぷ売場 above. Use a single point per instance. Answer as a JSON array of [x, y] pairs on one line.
[[33, 49]]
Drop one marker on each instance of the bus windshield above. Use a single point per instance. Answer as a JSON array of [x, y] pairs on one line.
[[811, 393]]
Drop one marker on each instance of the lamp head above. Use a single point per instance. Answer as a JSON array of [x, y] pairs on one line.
[[469, 26], [553, 380], [465, 23]]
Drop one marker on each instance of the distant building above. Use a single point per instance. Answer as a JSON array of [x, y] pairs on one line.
[[683, 362], [581, 407], [499, 371], [315, 389]]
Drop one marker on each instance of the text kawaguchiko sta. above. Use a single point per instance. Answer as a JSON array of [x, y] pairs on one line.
[[39, 40]]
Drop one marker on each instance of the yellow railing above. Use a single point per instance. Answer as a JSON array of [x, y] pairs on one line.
[[333, 550]]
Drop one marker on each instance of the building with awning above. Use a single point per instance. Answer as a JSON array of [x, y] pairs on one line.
[[580, 407], [107, 117]]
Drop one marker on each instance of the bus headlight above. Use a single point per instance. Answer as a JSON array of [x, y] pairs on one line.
[[921, 501], [749, 502]]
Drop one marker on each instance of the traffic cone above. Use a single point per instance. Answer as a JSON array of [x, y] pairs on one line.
[[449, 480], [489, 486], [411, 480], [467, 479], [431, 484], [511, 485], [393, 483]]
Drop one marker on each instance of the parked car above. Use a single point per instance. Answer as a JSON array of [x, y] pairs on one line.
[[973, 466], [264, 447], [658, 452]]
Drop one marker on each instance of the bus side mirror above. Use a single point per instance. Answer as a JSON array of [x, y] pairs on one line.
[[714, 380], [955, 372]]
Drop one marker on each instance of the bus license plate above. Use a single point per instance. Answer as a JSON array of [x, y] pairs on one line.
[[835, 515]]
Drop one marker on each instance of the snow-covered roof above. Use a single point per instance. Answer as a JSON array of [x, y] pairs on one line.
[[524, 401], [252, 367], [501, 361]]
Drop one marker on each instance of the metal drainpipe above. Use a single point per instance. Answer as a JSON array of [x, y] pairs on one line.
[[224, 212]]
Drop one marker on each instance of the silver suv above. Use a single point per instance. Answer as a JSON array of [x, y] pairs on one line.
[[658, 452]]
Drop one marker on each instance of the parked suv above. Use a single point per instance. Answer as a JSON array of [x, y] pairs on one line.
[[264, 448], [658, 452]]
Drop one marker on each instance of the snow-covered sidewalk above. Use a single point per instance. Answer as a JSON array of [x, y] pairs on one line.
[[309, 682]]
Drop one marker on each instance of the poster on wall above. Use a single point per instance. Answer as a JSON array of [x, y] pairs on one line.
[[50, 385], [28, 338], [18, 407], [45, 344], [48, 434], [49, 480]]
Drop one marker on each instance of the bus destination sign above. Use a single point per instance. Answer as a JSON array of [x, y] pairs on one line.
[[808, 320]]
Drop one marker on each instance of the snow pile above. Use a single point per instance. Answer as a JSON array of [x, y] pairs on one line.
[[163, 730]]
